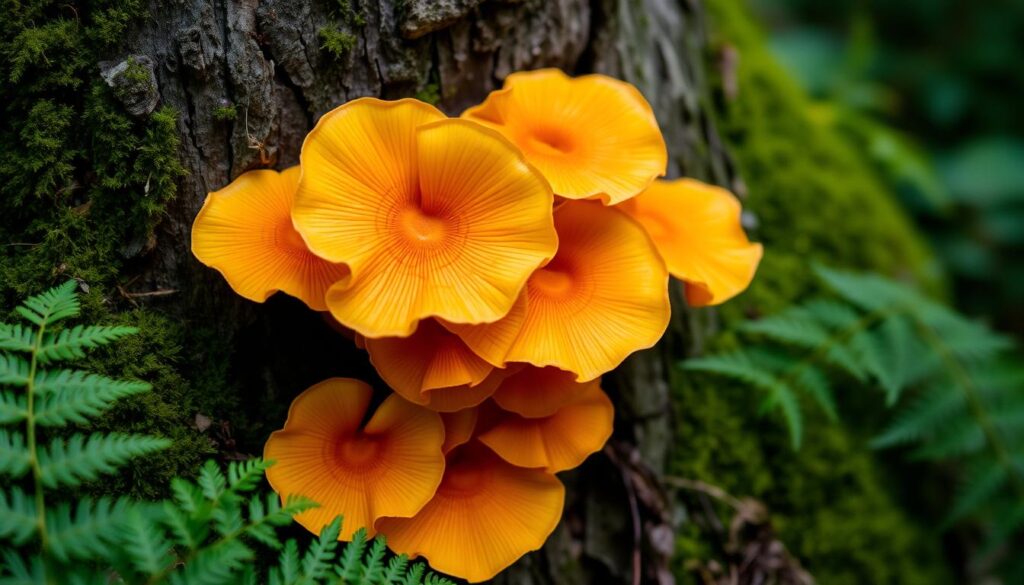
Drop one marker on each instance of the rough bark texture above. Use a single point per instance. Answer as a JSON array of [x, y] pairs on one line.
[[264, 59]]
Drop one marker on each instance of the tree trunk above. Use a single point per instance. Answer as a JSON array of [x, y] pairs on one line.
[[266, 60]]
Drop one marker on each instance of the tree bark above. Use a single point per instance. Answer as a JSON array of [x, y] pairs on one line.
[[264, 59]]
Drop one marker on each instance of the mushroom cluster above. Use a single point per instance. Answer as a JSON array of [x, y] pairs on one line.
[[493, 266]]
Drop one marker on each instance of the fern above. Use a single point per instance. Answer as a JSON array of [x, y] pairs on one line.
[[968, 390], [208, 533]]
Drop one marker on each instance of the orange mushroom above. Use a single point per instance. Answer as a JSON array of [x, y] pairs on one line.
[[431, 358], [557, 442], [392, 466], [696, 228], [602, 297], [245, 232], [533, 392], [593, 137], [434, 217], [486, 514]]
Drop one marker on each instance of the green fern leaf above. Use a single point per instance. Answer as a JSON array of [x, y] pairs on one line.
[[288, 562], [187, 495], [71, 343], [185, 530], [415, 575], [211, 481], [959, 437], [783, 398], [60, 302], [795, 326], [88, 534], [1003, 527], [70, 396], [316, 563], [395, 570], [76, 459], [433, 579], [373, 564], [964, 338], [738, 365], [14, 455], [868, 291], [13, 407], [17, 338], [227, 516], [13, 370], [144, 542], [985, 480], [216, 565], [350, 565], [17, 516], [924, 417], [814, 383], [20, 572], [245, 476]]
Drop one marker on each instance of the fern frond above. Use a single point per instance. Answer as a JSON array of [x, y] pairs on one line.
[[350, 565], [373, 564], [415, 575], [14, 456], [965, 339], [211, 481], [13, 407], [21, 573], [316, 563], [144, 542], [287, 570], [868, 291], [88, 533], [959, 437], [928, 413], [17, 337], [70, 396], [60, 302], [795, 326], [245, 476], [187, 495], [981, 484], [77, 459], [13, 370], [227, 516], [71, 343], [739, 365], [396, 569], [216, 565], [814, 383], [185, 530], [17, 516]]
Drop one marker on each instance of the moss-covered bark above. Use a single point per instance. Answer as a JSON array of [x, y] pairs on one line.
[[815, 199]]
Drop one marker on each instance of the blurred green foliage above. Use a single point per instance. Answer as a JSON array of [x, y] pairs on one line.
[[932, 90], [816, 197]]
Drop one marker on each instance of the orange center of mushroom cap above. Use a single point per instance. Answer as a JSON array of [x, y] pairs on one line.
[[358, 451], [421, 227], [553, 281], [550, 141], [462, 477], [288, 238]]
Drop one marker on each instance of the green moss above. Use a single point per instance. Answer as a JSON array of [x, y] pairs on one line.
[[816, 198], [226, 113], [82, 187], [336, 41], [431, 93]]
